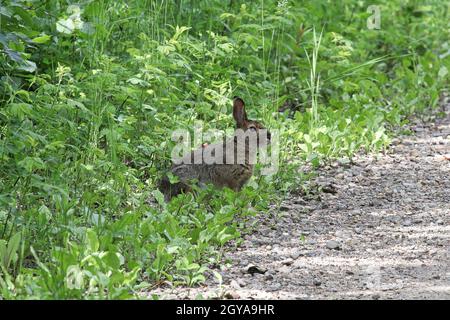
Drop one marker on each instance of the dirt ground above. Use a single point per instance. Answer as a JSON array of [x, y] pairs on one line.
[[380, 229]]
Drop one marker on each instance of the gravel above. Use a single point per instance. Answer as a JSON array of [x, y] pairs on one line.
[[380, 229]]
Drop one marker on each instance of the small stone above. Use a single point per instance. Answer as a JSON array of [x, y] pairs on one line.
[[342, 234], [274, 287], [243, 263], [330, 188], [407, 223], [317, 282], [268, 277], [295, 255], [333, 245], [234, 284], [414, 153], [241, 282], [252, 269], [393, 219], [287, 262], [231, 295], [284, 269]]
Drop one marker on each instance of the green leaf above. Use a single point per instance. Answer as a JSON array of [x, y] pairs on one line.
[[172, 178], [28, 66], [173, 249], [4, 11], [92, 240], [24, 15], [223, 237], [32, 163], [14, 55], [65, 26], [3, 257], [112, 260], [443, 71], [12, 249], [74, 277], [42, 39], [159, 197]]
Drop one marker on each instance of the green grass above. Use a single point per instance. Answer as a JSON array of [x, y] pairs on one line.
[[86, 117]]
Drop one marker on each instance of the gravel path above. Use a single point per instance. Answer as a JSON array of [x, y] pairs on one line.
[[380, 229]]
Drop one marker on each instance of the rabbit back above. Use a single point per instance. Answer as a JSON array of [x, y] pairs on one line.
[[220, 174]]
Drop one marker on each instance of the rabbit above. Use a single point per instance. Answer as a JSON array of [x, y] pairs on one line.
[[237, 163]]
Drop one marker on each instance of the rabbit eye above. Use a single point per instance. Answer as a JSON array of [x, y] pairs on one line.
[[252, 129]]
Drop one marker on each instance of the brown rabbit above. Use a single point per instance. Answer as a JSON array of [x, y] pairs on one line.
[[233, 165]]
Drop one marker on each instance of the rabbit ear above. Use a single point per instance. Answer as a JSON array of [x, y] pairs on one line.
[[239, 112]]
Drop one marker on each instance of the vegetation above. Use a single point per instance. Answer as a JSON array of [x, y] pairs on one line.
[[91, 91]]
